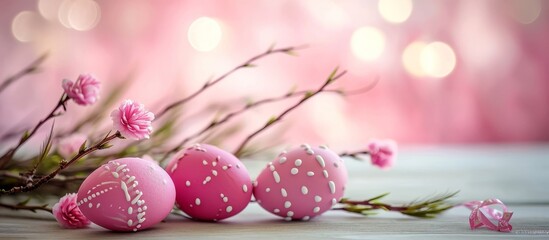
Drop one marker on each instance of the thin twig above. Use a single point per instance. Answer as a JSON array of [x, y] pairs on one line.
[[428, 208], [28, 70], [333, 76], [216, 123], [6, 158], [355, 155], [64, 164], [59, 178], [248, 63]]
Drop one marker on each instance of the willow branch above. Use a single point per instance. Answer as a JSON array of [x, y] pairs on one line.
[[333, 76], [248, 63], [217, 123], [9, 154], [59, 178], [64, 164], [28, 70], [355, 155], [428, 208]]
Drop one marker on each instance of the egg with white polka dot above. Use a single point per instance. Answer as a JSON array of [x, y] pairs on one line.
[[302, 183], [211, 184], [127, 194]]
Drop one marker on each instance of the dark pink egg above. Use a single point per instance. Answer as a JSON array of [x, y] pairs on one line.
[[211, 184], [127, 194], [302, 183]]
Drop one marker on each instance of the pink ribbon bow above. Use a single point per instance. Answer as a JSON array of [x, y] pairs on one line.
[[478, 218]]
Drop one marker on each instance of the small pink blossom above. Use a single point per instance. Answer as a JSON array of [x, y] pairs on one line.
[[67, 213], [383, 153], [133, 120], [70, 145], [85, 91]]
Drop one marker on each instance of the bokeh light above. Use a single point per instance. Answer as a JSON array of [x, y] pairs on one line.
[[484, 45], [204, 34], [367, 43], [437, 59], [526, 11], [63, 13], [395, 11], [411, 58], [49, 8], [24, 26], [83, 15]]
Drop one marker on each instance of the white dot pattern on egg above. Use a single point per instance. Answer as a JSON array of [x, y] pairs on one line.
[[211, 184], [309, 191], [127, 194]]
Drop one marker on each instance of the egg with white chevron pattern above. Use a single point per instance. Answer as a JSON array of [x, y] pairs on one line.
[[127, 194]]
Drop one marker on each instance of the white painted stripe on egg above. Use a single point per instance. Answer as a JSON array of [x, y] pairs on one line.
[[320, 160], [304, 190], [283, 192], [287, 204], [294, 171], [318, 198], [332, 186], [316, 209], [276, 177]]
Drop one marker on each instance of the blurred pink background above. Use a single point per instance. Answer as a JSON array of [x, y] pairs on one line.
[[450, 71]]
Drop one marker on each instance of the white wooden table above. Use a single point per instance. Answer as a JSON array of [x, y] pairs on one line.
[[516, 174]]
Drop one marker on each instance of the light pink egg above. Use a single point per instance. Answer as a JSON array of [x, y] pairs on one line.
[[302, 183], [211, 184], [127, 194]]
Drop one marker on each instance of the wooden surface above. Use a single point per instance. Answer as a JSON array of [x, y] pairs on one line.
[[516, 174]]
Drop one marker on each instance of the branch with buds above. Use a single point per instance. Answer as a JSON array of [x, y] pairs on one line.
[[428, 208]]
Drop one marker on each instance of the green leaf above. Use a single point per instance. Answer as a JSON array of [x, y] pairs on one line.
[[83, 147], [271, 48], [249, 102], [378, 197], [25, 136], [292, 90], [308, 94], [107, 135], [105, 146], [272, 120], [291, 53], [24, 202], [332, 75], [46, 147]]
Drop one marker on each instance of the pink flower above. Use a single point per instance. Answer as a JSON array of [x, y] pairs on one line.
[[70, 145], [85, 91], [382, 153], [132, 120], [67, 213]]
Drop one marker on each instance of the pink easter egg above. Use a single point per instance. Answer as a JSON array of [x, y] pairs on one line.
[[211, 184], [127, 194], [302, 183]]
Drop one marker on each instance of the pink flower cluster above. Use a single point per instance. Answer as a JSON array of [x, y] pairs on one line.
[[67, 213], [132, 120], [85, 91], [382, 153]]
